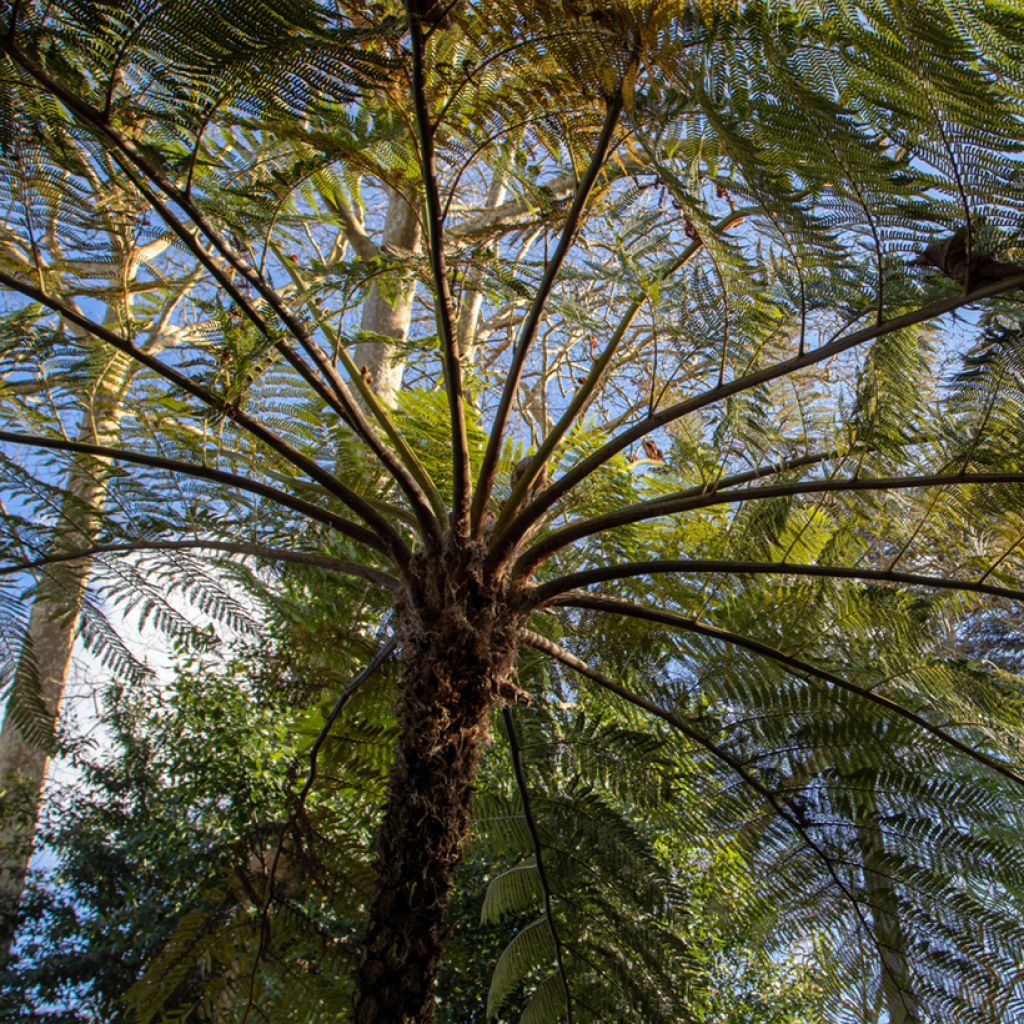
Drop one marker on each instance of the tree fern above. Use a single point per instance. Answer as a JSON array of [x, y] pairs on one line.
[[677, 299]]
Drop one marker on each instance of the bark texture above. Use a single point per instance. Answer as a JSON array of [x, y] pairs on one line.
[[458, 647], [53, 621]]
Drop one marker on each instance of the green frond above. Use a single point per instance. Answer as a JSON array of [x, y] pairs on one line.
[[530, 948]]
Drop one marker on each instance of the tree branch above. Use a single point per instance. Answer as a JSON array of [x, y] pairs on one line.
[[672, 504], [463, 485], [306, 508], [661, 418], [792, 816], [233, 547], [530, 324], [364, 246]]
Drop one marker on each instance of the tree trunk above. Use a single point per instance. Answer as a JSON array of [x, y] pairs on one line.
[[897, 983], [457, 661], [391, 320], [472, 301], [53, 623]]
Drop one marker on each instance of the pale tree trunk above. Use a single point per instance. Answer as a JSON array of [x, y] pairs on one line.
[[897, 981], [390, 320], [53, 624], [53, 620], [473, 296]]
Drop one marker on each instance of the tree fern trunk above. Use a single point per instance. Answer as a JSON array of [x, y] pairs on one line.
[[53, 623], [457, 667]]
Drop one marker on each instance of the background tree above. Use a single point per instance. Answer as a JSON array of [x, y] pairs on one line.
[[725, 400], [110, 276]]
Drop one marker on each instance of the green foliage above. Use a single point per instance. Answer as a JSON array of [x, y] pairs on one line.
[[667, 246]]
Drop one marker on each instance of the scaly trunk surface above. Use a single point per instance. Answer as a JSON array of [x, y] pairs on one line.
[[458, 647]]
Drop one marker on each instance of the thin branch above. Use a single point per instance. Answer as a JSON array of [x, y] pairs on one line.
[[535, 509], [672, 504], [354, 231], [126, 150], [306, 508], [233, 547], [531, 824], [768, 469], [513, 524], [1002, 558], [380, 413], [624, 570], [463, 484], [531, 322], [344, 697], [796, 666], [336, 397]]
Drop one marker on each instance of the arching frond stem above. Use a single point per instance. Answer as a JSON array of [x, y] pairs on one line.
[[505, 531], [531, 322], [519, 771], [782, 807], [660, 418], [796, 666], [336, 396], [140, 169], [380, 414], [625, 570], [452, 364], [358, 504], [363, 676], [269, 554], [672, 504], [235, 480], [768, 469]]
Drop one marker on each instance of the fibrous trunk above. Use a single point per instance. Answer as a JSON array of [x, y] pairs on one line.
[[457, 657]]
